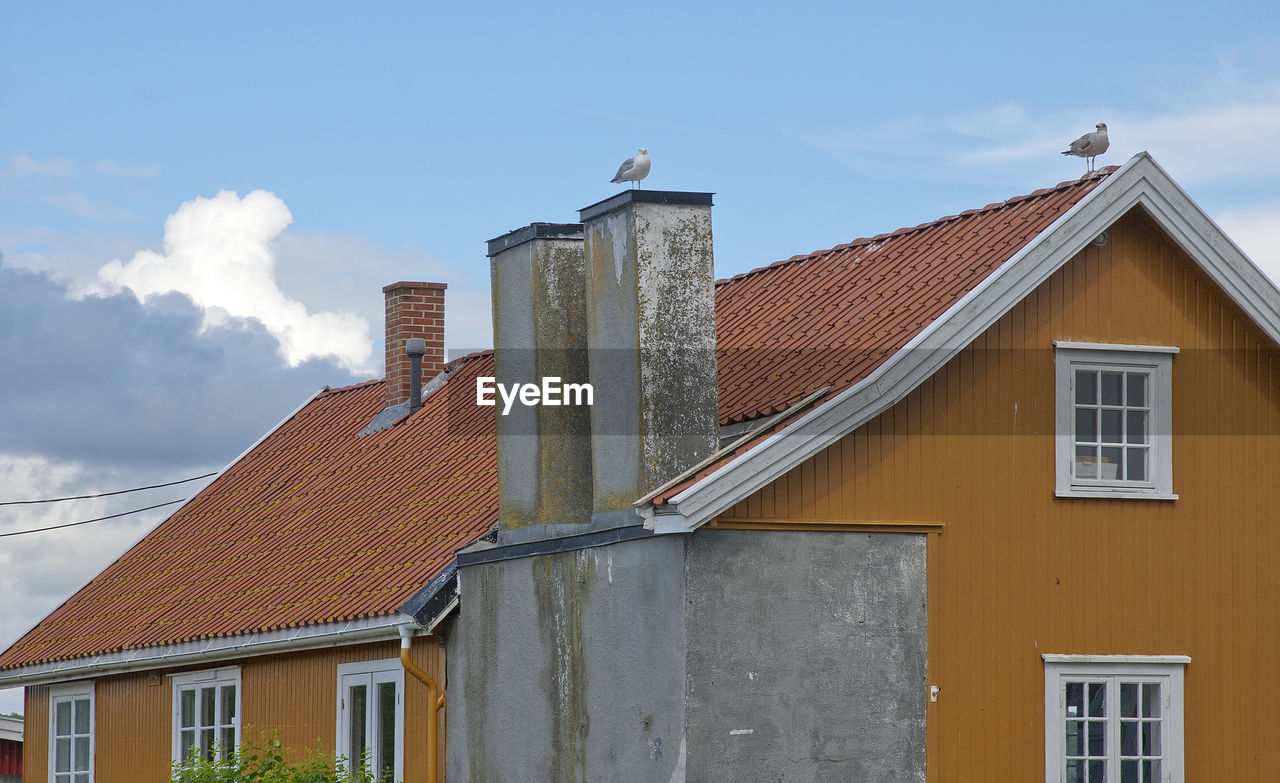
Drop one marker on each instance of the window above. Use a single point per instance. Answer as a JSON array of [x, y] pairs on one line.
[[71, 733], [371, 717], [1114, 420], [1113, 718], [206, 710]]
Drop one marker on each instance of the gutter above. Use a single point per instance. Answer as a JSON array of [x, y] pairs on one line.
[[202, 651]]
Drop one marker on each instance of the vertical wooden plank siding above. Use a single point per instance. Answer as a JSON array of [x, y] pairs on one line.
[[294, 695], [35, 734], [1017, 572]]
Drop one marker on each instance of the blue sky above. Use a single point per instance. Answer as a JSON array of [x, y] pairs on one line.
[[392, 140]]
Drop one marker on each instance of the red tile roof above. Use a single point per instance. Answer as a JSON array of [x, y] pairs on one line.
[[317, 525]]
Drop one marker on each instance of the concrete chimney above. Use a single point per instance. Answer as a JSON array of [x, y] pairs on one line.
[[414, 310], [538, 275], [652, 339]]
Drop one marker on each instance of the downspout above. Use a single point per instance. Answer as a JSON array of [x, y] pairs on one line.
[[435, 702]]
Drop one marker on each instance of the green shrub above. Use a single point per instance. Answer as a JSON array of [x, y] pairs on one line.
[[267, 761]]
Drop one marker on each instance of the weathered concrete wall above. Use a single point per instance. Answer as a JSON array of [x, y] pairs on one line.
[[538, 276], [806, 657], [651, 331], [569, 667]]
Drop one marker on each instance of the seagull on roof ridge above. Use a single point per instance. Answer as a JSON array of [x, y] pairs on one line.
[[633, 169], [1090, 145]]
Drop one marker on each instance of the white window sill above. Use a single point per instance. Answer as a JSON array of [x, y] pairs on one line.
[[1113, 493]]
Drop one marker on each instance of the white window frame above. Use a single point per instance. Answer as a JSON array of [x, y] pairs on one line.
[[227, 675], [1169, 670], [1154, 360], [384, 670], [72, 692]]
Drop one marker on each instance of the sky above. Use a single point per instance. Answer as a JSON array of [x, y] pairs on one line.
[[200, 204]]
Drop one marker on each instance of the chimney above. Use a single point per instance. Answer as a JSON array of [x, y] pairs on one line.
[[414, 310], [652, 338], [539, 332]]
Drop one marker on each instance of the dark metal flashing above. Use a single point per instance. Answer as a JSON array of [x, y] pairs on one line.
[[431, 600], [550, 546], [643, 197], [566, 231]]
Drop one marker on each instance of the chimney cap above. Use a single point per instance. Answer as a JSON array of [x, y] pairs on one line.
[[568, 231], [408, 284], [644, 197], [415, 346]]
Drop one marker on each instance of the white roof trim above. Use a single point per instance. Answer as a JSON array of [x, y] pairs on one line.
[[204, 651], [1139, 182]]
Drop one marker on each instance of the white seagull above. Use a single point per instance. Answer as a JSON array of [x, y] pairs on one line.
[[1090, 145], [633, 169]]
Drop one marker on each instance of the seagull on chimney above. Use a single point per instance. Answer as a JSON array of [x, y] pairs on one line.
[[633, 169], [1090, 145]]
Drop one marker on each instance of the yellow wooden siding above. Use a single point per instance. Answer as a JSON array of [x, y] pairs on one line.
[[1016, 572], [293, 694]]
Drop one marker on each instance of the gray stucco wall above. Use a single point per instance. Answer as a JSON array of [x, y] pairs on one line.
[[569, 667], [806, 657], [742, 656]]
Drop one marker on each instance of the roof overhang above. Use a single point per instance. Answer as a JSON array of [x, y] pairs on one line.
[[1140, 182], [212, 651]]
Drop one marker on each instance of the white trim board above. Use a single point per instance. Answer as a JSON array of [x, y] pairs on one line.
[[1140, 182]]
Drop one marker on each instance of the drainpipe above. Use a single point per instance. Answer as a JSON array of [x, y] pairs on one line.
[[435, 702]]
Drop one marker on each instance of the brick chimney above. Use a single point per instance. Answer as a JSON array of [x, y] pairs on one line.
[[413, 310]]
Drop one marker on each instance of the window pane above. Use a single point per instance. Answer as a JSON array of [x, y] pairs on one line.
[[228, 743], [1086, 387], [1086, 425], [1075, 698], [1151, 700], [82, 778], [1151, 771], [1128, 700], [62, 778], [1097, 738], [1097, 771], [187, 741], [357, 697], [206, 743], [1129, 772], [1097, 699], [1136, 389], [1151, 738], [1075, 772], [82, 754], [1075, 738], [1112, 421], [62, 755], [208, 704], [1136, 427], [63, 723], [228, 705], [82, 716], [1128, 738], [1109, 469], [1111, 388], [1086, 462], [188, 708], [386, 759], [1136, 468]]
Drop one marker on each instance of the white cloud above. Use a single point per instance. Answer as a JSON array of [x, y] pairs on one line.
[[218, 251], [53, 167], [83, 206], [115, 169]]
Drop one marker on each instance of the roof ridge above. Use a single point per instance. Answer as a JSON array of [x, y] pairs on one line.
[[863, 241]]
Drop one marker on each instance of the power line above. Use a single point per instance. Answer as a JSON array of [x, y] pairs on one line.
[[87, 521], [104, 494]]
